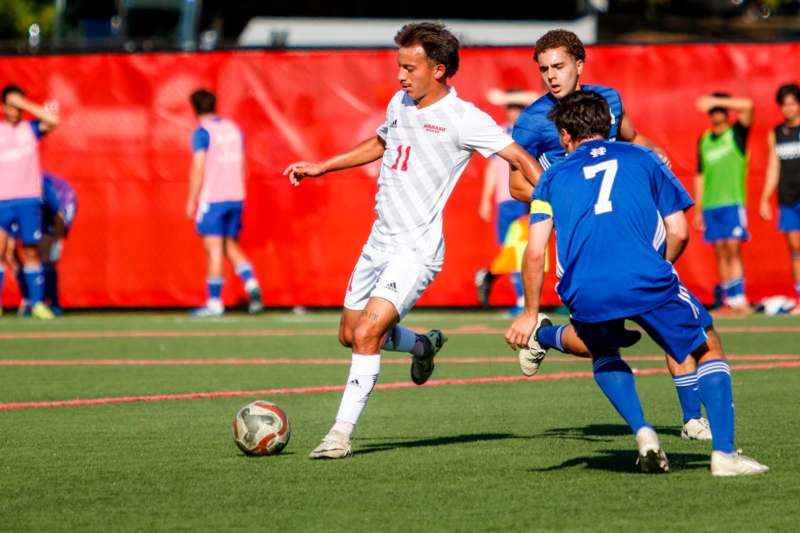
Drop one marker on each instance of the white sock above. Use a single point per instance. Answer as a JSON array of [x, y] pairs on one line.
[[364, 371], [251, 284], [400, 339]]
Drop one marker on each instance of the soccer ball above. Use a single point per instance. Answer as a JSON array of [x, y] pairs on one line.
[[261, 428]]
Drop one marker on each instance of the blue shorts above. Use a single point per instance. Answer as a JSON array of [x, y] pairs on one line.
[[22, 219], [678, 326], [507, 213], [727, 222], [789, 217], [222, 219]]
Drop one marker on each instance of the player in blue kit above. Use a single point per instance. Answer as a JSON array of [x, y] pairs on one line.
[[614, 207], [560, 57], [59, 207]]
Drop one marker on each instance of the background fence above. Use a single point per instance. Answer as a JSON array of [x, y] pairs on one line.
[[124, 145]]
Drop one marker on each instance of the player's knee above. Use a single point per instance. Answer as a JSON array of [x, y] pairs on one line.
[[366, 338], [346, 337]]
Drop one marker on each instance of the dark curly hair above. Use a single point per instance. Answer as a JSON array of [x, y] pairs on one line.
[[786, 90], [583, 114], [558, 38], [439, 44]]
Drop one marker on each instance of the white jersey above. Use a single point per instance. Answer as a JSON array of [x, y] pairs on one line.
[[426, 152]]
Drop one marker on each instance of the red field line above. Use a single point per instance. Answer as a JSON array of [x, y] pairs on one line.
[[474, 329], [336, 362], [335, 388]]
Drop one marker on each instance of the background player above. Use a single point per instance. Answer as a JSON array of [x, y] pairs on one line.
[[21, 187], [721, 191], [560, 56], [216, 199], [59, 206], [496, 193], [609, 203], [425, 144], [783, 173]]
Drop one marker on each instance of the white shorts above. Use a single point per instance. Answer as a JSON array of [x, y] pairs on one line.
[[399, 276]]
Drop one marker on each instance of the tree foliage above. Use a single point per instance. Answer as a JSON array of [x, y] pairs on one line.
[[16, 16]]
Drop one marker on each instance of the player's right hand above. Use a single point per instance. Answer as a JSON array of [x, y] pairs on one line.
[[191, 209], [303, 169], [765, 210], [520, 330]]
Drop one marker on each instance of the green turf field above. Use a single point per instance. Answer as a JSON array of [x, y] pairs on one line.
[[506, 456]]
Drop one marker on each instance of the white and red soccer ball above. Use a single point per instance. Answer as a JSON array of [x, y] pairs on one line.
[[261, 428]]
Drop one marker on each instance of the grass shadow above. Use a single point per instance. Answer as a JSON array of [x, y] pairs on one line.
[[625, 461], [436, 441], [601, 432]]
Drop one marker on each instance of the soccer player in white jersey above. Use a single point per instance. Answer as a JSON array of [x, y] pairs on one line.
[[425, 144]]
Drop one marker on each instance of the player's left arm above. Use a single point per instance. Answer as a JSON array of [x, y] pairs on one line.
[[628, 133], [672, 200], [525, 171], [533, 263], [48, 119]]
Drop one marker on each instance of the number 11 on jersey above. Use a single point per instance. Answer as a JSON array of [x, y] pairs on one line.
[[609, 170], [403, 168]]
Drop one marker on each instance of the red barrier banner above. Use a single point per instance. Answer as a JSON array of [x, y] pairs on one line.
[[124, 145]]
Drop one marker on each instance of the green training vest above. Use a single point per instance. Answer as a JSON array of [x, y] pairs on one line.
[[724, 170]]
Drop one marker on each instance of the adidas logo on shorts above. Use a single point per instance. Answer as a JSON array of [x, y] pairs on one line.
[[392, 286]]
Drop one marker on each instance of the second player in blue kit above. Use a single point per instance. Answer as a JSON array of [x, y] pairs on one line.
[[617, 209]]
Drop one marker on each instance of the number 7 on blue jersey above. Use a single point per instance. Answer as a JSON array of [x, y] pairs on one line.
[[609, 170]]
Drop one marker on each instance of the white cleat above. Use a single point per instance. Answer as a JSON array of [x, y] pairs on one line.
[[652, 458], [696, 429], [735, 464], [531, 358], [335, 445]]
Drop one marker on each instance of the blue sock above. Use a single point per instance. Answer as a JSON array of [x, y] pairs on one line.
[[688, 395], [245, 272], [23, 285], [214, 288], [550, 337], [51, 284], [714, 380], [734, 291], [34, 278], [615, 379], [400, 339], [2, 275]]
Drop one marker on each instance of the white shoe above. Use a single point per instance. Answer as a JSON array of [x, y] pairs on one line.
[[335, 445], [652, 458], [210, 310], [696, 429], [735, 464], [531, 358]]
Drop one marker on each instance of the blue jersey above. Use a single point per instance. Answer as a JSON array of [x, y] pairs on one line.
[[538, 135], [607, 201], [58, 197]]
